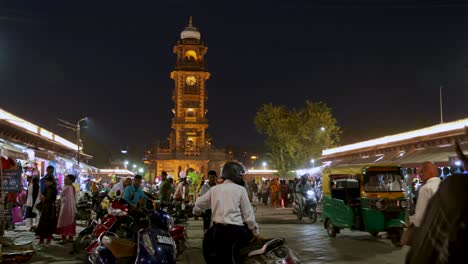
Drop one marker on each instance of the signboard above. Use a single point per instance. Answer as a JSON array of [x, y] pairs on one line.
[[11, 181]]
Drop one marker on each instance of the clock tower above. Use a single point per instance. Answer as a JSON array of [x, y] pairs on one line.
[[189, 123], [188, 145]]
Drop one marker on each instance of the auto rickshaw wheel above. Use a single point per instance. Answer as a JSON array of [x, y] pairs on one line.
[[331, 229]]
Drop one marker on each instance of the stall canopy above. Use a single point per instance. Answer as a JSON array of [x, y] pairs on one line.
[[442, 156], [9, 149]]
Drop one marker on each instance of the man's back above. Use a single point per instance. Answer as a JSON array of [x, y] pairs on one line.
[[165, 191], [425, 193], [229, 203], [226, 202]]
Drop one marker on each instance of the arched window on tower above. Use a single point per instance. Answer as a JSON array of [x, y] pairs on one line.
[[190, 145], [190, 113], [191, 56]]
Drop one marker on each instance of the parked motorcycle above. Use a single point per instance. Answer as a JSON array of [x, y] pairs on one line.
[[116, 221], [153, 245], [307, 207], [179, 234]]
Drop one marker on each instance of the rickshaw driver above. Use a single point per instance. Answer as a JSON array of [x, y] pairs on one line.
[[301, 190]]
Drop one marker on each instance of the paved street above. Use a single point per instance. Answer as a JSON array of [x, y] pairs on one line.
[[310, 242]]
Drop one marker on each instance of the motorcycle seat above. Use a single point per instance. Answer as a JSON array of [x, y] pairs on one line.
[[260, 247], [120, 248]]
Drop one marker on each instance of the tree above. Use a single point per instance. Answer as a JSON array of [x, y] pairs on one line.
[[294, 137]]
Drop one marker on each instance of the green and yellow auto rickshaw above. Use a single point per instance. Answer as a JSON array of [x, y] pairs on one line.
[[367, 198]]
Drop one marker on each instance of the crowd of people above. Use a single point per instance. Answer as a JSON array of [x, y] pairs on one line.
[[278, 192], [47, 213]]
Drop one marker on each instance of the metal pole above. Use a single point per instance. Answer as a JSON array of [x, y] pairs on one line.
[[441, 112], [78, 143], [2, 203]]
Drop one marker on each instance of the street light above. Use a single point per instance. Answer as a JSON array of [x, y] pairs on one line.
[[322, 128], [313, 162], [264, 165], [140, 170], [77, 129]]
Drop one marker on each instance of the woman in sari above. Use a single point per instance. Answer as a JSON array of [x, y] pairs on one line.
[[66, 224], [46, 226], [274, 192]]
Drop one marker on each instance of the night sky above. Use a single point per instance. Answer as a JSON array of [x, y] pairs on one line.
[[378, 64]]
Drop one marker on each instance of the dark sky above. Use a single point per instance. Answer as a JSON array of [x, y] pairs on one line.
[[378, 64]]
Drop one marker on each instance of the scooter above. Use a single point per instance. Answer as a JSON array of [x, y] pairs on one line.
[[259, 252], [306, 207], [153, 245]]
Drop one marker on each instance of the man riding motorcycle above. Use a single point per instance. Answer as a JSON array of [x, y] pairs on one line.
[[303, 189], [232, 215]]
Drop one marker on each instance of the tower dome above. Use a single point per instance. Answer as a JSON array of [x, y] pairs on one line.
[[190, 32]]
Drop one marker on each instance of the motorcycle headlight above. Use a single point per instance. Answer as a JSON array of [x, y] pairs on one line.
[[170, 222], [148, 244], [403, 204]]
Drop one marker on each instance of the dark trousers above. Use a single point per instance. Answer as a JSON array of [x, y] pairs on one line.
[[206, 219], [222, 242]]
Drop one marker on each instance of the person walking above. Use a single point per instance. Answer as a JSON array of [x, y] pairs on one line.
[[47, 221], [212, 177], [32, 213], [274, 192], [430, 176], [165, 190], [283, 188], [42, 185], [265, 192], [66, 224]]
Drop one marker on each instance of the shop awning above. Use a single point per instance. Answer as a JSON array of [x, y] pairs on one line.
[[414, 158], [9, 150]]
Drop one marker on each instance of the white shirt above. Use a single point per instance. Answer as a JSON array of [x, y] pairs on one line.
[[117, 187], [229, 204], [425, 193]]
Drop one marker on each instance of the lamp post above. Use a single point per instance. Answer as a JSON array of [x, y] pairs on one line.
[[313, 162], [264, 165], [77, 129]]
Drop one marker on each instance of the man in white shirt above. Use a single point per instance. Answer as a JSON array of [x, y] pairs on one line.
[[118, 189], [231, 208], [430, 176]]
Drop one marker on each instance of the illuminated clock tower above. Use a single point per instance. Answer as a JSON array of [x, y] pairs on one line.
[[189, 123], [188, 145]]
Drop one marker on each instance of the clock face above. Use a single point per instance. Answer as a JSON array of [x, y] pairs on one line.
[[190, 80]]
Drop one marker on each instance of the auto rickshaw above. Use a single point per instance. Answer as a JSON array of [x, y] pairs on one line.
[[367, 198]]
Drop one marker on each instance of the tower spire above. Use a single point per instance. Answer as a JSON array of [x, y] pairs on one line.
[[190, 21]]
